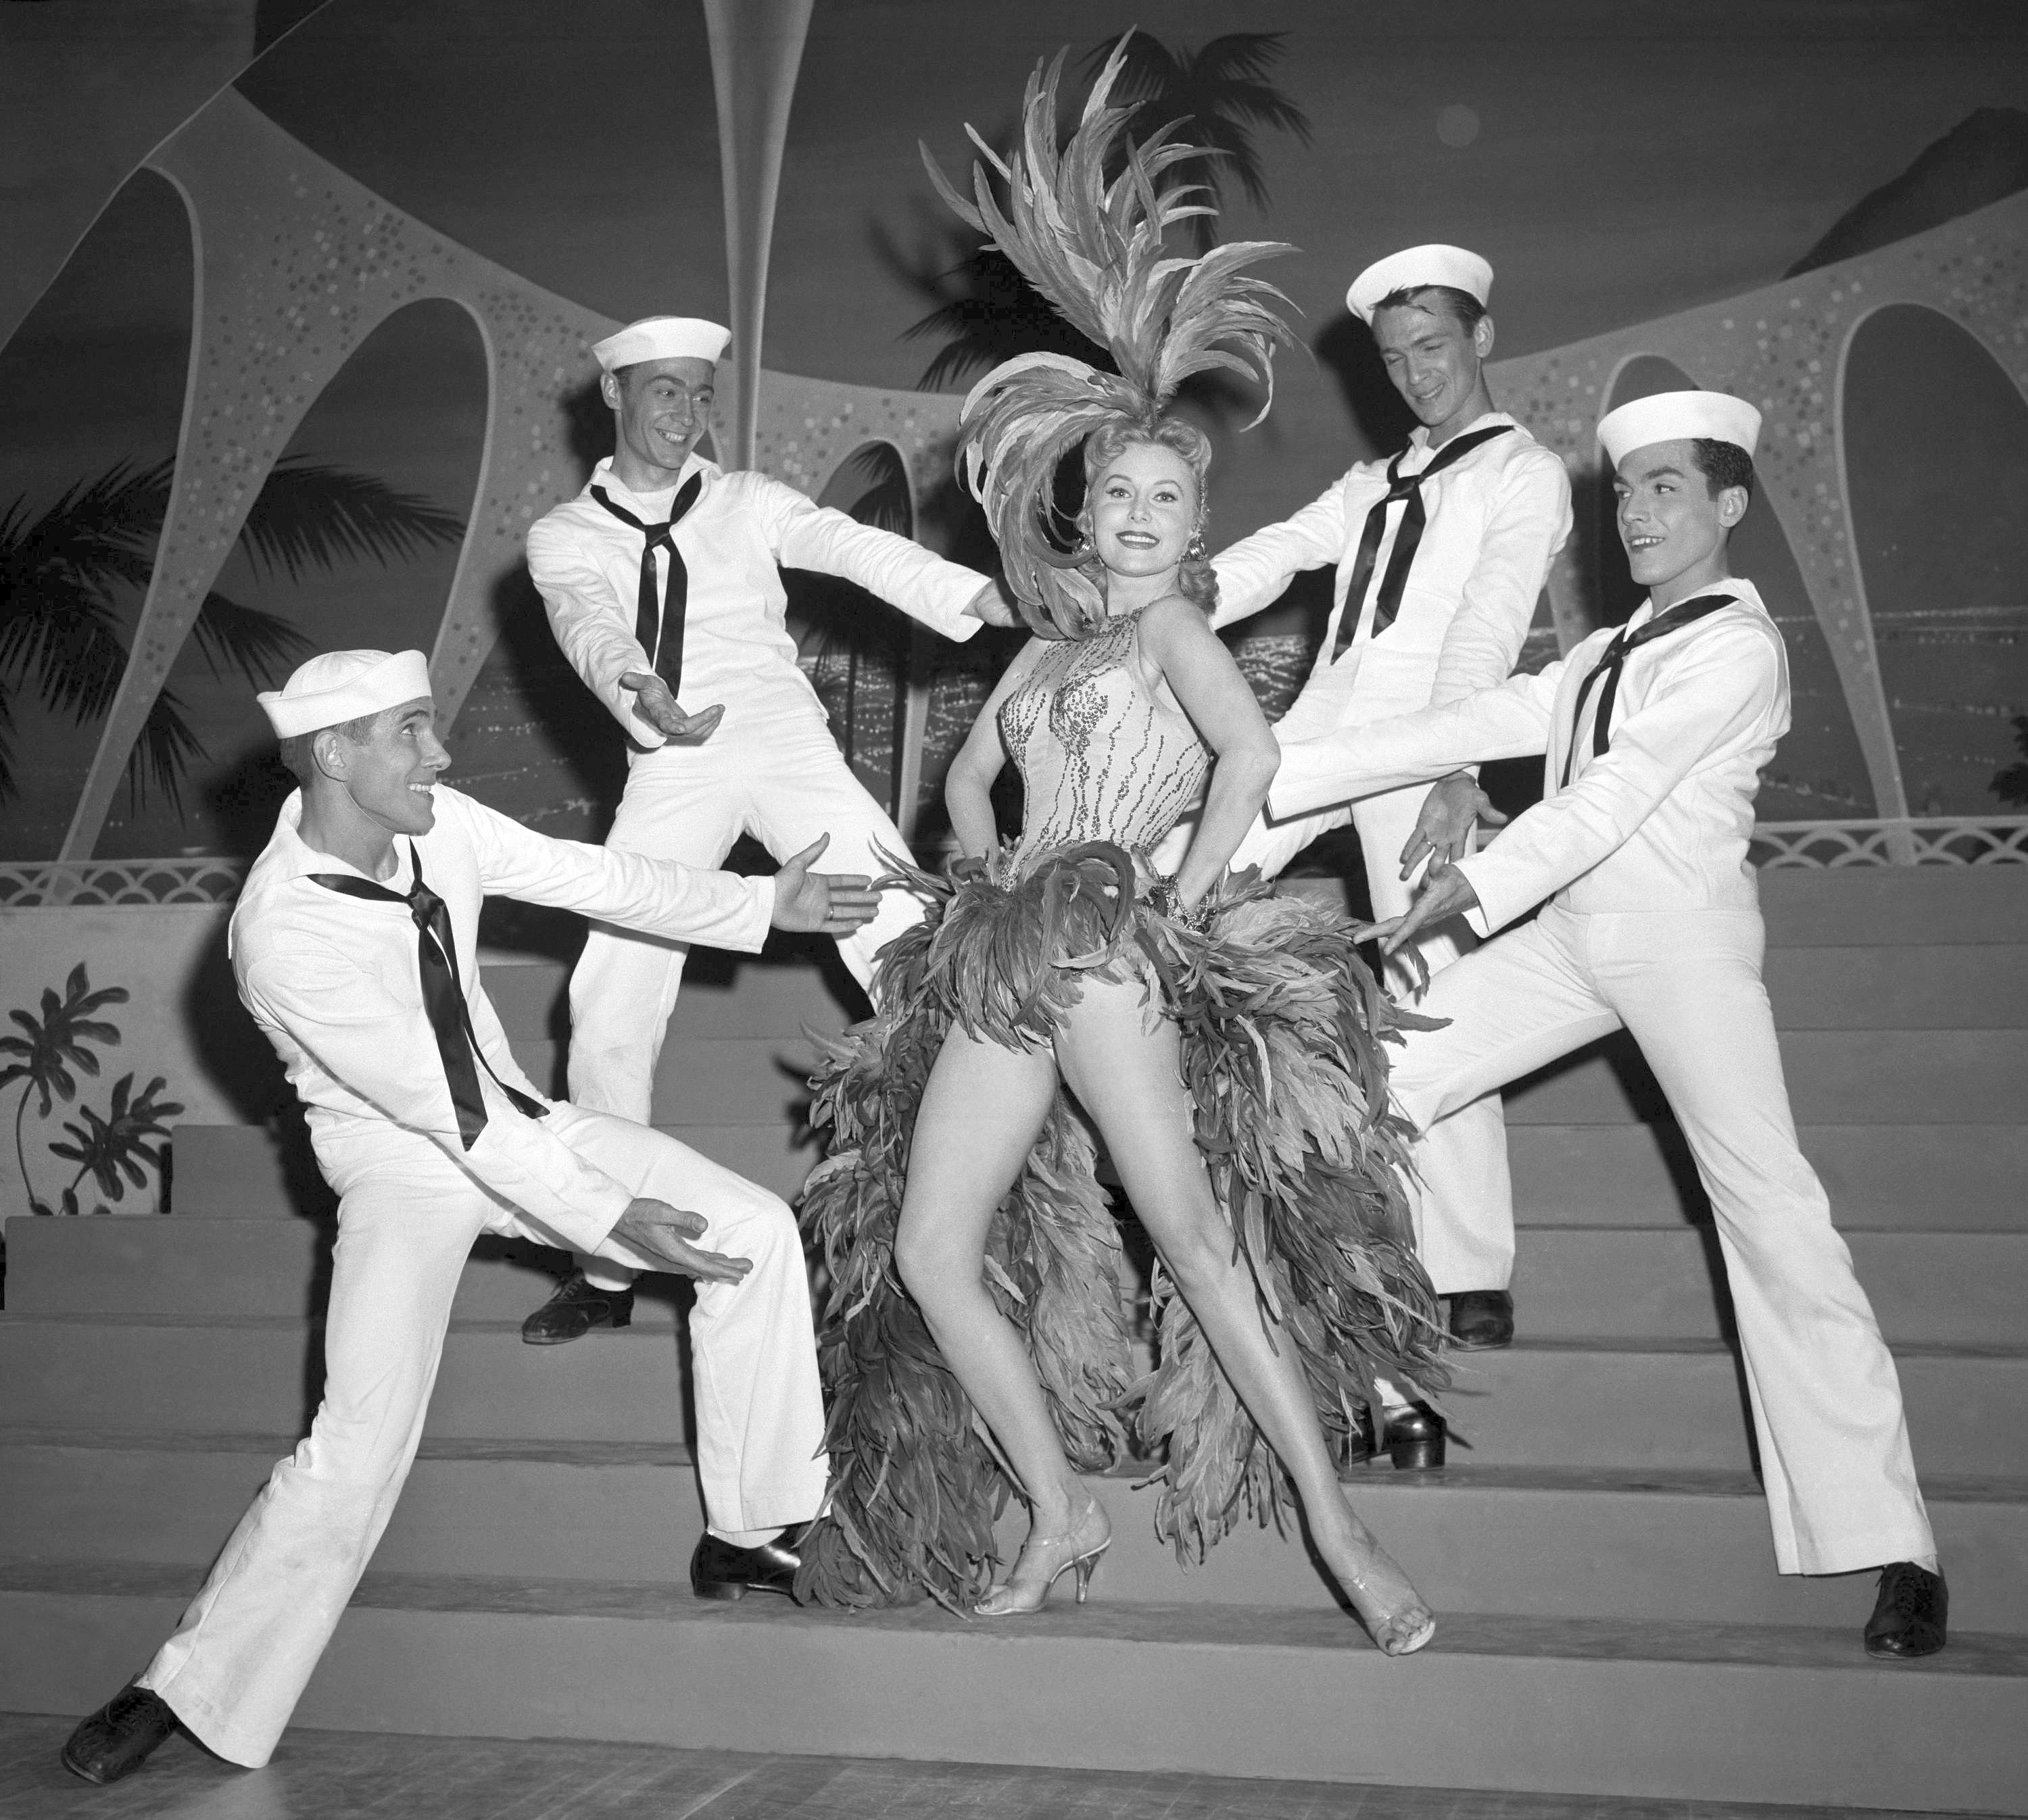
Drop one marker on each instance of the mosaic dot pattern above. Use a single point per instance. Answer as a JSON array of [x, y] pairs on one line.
[[1785, 348], [298, 265]]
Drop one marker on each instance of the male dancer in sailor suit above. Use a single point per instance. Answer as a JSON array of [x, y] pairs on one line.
[[354, 945], [1441, 555], [662, 585], [1654, 737]]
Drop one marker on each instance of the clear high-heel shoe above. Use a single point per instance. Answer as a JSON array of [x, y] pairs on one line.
[[1075, 1551], [1386, 1602]]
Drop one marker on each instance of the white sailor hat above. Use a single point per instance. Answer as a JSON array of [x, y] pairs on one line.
[[662, 337], [1679, 417], [343, 686], [1410, 270]]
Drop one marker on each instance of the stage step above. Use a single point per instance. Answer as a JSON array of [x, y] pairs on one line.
[[1909, 1177], [1571, 1282], [1568, 1705], [1950, 1076], [256, 1172], [722, 996], [1897, 1176], [1514, 1539], [1960, 1077], [1879, 985], [1608, 1403], [1905, 906]]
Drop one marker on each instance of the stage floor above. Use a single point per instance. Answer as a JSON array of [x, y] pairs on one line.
[[351, 1775]]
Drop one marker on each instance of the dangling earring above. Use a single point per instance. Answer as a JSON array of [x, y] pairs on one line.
[[1193, 551]]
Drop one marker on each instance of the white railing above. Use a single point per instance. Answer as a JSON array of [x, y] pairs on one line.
[[1925, 840], [57, 884]]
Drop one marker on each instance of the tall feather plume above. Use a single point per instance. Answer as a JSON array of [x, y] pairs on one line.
[[1094, 248]]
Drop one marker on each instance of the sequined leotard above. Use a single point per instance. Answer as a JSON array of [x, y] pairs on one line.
[[1102, 758]]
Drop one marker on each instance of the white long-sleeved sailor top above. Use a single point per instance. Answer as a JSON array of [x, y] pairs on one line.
[[1660, 820], [586, 564], [1495, 522], [335, 983]]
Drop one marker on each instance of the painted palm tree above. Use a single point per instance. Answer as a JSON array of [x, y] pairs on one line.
[[1216, 98], [985, 311], [67, 572]]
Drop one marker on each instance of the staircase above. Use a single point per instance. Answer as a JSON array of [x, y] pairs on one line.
[[1610, 1620]]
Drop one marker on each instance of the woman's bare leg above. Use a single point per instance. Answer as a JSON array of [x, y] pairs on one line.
[[982, 1108], [1130, 1079]]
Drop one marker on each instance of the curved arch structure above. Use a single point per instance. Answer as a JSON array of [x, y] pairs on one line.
[[1784, 346], [296, 264]]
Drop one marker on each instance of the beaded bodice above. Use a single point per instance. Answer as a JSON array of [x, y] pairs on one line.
[[1101, 758]]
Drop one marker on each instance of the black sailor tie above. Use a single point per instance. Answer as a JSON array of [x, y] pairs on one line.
[[1399, 486], [443, 998], [659, 625], [1613, 661]]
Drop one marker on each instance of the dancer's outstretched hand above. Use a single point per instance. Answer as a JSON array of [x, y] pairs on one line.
[[992, 604], [664, 1233], [1446, 893], [654, 704], [1443, 829], [827, 903]]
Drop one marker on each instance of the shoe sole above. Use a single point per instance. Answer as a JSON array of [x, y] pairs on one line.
[[541, 1339]]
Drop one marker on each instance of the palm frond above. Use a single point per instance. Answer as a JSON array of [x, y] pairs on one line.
[[165, 750], [887, 503], [1213, 96], [250, 640], [311, 514], [987, 312]]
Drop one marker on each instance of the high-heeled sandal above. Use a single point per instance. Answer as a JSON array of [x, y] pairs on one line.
[[1076, 1551], [1395, 1632]]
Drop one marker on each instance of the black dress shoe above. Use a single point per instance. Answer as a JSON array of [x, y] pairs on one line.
[[1911, 1614], [115, 1741], [1414, 1438], [722, 1569], [1481, 1320], [578, 1306]]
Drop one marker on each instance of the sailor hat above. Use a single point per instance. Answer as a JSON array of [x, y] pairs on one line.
[[1679, 417], [343, 686], [1451, 266], [662, 337]]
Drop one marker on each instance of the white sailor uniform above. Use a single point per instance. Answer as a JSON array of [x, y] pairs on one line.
[[771, 768], [1652, 924], [427, 1151], [1436, 619]]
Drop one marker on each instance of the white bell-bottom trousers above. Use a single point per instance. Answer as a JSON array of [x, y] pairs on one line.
[[771, 770], [1826, 1402], [239, 1658]]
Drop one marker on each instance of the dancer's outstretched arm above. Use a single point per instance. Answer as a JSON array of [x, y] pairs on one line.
[[1199, 672]]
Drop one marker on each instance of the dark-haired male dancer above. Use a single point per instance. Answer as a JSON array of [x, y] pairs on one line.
[[1441, 554], [355, 948], [1654, 736]]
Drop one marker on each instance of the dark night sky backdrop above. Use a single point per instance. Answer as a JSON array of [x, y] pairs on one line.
[[1629, 160]]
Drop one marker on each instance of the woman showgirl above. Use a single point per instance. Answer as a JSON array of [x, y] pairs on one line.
[[1226, 1044]]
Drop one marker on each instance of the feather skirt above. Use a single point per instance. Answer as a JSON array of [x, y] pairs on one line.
[[1282, 1030]]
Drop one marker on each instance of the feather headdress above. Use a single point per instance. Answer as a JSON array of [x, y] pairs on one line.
[[1095, 249]]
